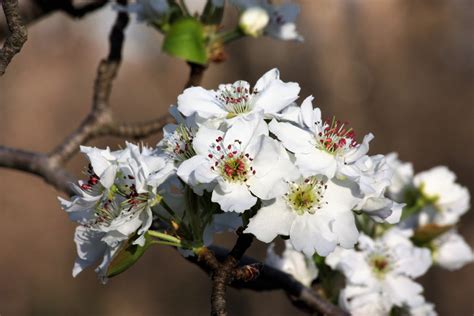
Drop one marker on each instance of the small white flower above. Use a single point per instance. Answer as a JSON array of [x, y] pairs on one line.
[[316, 213], [253, 21], [236, 164], [383, 269], [331, 144], [282, 18], [450, 200], [451, 251], [402, 177], [114, 204], [293, 262], [270, 95]]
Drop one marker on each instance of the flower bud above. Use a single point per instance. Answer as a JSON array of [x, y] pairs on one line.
[[253, 21]]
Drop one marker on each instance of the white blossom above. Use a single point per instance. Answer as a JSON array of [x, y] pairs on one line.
[[270, 95], [238, 165], [316, 213], [449, 199], [114, 205], [331, 143], [450, 251], [293, 262], [380, 272]]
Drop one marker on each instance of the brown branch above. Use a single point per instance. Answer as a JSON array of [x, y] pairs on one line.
[[195, 74], [223, 274], [34, 10], [17, 37], [269, 279], [37, 164]]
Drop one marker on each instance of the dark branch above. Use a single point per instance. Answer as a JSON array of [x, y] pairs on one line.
[[34, 10], [270, 279], [223, 274], [195, 74], [37, 164], [17, 37]]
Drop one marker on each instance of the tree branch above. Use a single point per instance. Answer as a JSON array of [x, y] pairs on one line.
[[269, 279], [33, 10], [17, 37], [223, 274]]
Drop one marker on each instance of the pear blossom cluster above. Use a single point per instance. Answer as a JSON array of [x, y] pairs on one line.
[[254, 157]]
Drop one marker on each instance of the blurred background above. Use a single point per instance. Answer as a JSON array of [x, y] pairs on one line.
[[402, 69]]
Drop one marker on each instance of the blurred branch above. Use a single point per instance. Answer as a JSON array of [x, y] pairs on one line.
[[33, 10], [17, 37]]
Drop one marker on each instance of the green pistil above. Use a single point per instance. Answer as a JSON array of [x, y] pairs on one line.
[[306, 197]]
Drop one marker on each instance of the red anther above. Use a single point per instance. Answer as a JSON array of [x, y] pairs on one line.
[[218, 148], [85, 186], [230, 155], [131, 177], [229, 147], [210, 156]]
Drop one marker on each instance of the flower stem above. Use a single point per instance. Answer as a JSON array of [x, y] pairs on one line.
[[164, 236]]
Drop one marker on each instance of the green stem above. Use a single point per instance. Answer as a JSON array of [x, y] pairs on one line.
[[227, 37], [164, 236]]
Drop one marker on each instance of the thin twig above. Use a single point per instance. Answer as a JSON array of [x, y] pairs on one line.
[[17, 37]]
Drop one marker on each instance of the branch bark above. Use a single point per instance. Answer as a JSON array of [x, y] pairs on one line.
[[270, 279], [223, 274], [17, 37]]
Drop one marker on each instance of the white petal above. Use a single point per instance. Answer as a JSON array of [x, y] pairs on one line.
[[316, 162], [204, 138], [293, 138], [276, 96], [245, 130], [311, 233], [89, 248], [201, 101], [402, 290], [233, 197], [187, 168], [267, 79], [273, 219], [361, 150]]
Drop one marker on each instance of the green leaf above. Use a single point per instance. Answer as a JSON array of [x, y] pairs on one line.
[[212, 14], [425, 234], [127, 256], [185, 39]]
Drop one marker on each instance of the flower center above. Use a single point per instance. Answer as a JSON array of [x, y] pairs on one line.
[[235, 99], [380, 263], [306, 196], [335, 137], [178, 145], [230, 162]]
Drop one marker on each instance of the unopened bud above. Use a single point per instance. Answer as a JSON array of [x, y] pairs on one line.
[[253, 21]]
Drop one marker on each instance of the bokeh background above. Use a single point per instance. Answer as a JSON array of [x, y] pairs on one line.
[[402, 69]]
